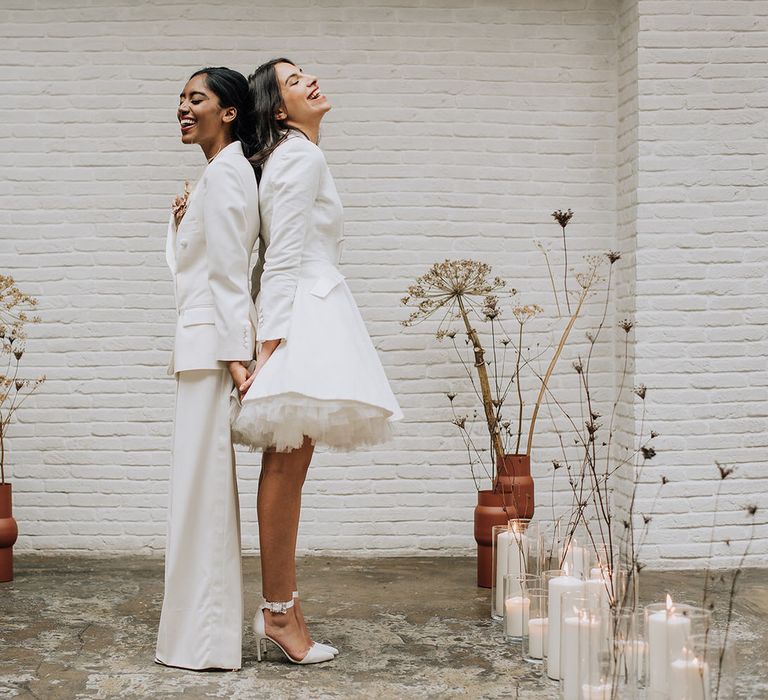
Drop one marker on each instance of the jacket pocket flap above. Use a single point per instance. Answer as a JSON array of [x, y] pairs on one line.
[[197, 315], [325, 284]]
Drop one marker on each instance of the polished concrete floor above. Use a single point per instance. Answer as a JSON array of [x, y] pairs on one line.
[[75, 627]]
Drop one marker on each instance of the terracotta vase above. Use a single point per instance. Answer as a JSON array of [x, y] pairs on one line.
[[8, 534], [512, 496]]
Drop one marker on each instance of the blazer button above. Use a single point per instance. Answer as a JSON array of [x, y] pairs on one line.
[[184, 244]]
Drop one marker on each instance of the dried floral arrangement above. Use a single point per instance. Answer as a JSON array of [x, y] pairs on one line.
[[494, 358], [16, 309]]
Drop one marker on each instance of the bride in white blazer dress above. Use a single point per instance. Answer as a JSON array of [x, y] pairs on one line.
[[317, 377], [208, 251]]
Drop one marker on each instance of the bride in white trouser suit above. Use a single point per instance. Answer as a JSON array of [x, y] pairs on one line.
[[208, 250]]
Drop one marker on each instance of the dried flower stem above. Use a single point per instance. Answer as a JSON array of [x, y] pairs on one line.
[[551, 367], [485, 386]]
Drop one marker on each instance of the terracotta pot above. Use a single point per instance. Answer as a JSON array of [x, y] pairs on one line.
[[512, 497], [8, 534]]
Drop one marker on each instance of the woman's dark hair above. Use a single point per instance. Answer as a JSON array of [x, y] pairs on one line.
[[231, 88], [269, 131]]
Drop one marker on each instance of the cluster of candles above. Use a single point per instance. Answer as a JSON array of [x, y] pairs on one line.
[[563, 620]]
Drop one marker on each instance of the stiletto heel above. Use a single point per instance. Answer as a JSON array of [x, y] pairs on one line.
[[333, 650], [316, 653]]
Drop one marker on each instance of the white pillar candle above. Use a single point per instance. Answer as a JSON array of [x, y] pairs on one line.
[[516, 611], [577, 558], [596, 692], [597, 593], [537, 637], [667, 635], [510, 546], [579, 633], [572, 587], [688, 679]]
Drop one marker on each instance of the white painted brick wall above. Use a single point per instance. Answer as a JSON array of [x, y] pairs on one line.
[[701, 270], [458, 127]]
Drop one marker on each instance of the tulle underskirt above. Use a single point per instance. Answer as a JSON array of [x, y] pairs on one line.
[[282, 421]]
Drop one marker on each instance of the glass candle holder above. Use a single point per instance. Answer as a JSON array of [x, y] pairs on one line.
[[577, 553], [629, 651], [582, 642], [703, 669], [534, 641], [668, 626], [510, 556], [560, 588], [516, 605]]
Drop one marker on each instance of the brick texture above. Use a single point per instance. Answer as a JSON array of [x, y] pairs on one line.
[[457, 128]]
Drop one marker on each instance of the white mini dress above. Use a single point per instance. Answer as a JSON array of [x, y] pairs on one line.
[[325, 379]]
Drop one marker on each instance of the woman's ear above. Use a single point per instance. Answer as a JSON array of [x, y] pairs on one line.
[[280, 115], [229, 115]]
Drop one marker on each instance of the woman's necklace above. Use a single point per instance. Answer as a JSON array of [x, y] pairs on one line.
[[217, 153]]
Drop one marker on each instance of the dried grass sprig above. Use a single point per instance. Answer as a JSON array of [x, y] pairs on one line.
[[15, 310]]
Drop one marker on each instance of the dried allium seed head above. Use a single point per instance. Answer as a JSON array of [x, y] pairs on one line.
[[664, 481], [451, 396], [751, 509], [654, 434], [613, 256], [562, 217], [526, 313], [641, 391], [725, 472], [648, 452], [578, 366], [626, 325]]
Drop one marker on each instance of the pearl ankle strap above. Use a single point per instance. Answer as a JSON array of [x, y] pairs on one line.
[[277, 608]]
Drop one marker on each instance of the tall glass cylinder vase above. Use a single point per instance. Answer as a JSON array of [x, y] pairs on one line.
[[668, 627], [517, 605], [582, 649], [510, 558], [626, 662], [534, 642], [703, 669]]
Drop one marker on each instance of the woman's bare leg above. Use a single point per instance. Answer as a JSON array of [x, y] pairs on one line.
[[279, 506]]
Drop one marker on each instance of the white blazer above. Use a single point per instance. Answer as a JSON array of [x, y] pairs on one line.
[[302, 228], [209, 256]]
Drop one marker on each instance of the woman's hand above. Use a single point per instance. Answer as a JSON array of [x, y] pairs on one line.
[[239, 375], [179, 204], [265, 352]]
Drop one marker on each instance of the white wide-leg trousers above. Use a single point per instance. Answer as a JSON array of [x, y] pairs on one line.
[[201, 619]]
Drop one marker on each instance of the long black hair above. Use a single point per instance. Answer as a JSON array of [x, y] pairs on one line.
[[231, 89], [266, 101]]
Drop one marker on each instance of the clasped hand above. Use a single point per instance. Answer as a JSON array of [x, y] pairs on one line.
[[241, 376]]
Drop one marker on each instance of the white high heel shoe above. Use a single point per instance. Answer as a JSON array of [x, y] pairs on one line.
[[333, 650], [316, 653]]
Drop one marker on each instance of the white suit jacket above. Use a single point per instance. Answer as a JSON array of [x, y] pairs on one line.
[[302, 225], [209, 256]]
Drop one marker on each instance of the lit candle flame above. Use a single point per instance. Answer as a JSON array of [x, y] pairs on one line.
[[670, 606]]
